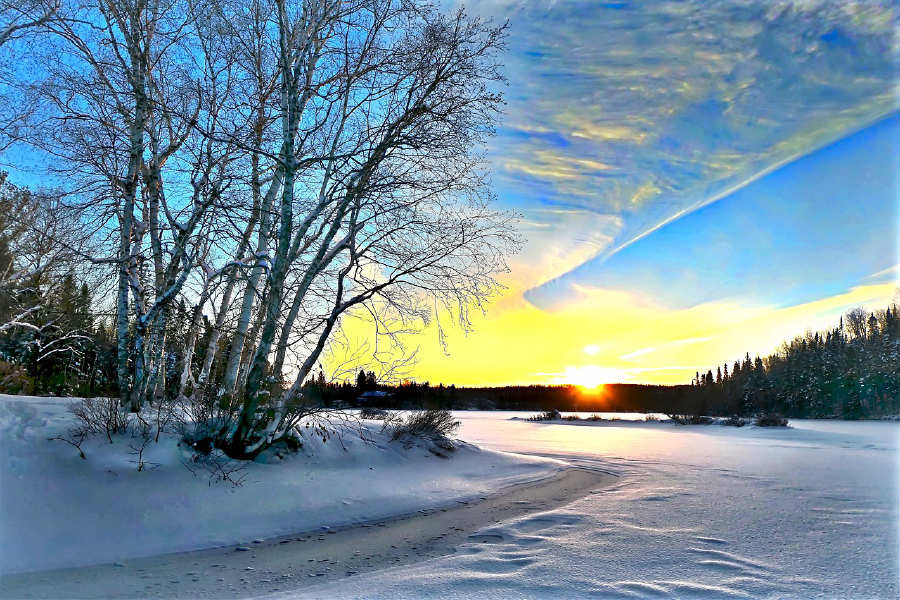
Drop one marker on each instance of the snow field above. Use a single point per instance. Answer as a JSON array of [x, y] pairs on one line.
[[809, 511]]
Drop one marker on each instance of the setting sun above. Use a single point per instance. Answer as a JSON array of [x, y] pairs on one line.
[[590, 376]]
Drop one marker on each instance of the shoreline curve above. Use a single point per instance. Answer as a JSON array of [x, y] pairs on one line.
[[311, 558]]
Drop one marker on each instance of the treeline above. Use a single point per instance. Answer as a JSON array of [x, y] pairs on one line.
[[55, 339], [850, 371], [616, 397], [55, 336]]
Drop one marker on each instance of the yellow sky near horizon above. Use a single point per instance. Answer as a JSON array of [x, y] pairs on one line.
[[608, 336]]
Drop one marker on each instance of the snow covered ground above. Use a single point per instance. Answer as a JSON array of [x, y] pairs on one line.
[[701, 511], [57, 510]]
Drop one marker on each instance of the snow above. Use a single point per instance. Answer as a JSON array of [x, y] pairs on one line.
[[809, 511], [57, 510], [700, 511]]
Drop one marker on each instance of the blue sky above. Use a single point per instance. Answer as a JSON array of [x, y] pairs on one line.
[[813, 228], [624, 116]]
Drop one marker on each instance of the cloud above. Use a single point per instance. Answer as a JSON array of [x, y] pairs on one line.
[[649, 110], [891, 273], [783, 239], [637, 353]]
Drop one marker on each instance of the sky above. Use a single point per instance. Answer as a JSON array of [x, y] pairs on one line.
[[695, 179]]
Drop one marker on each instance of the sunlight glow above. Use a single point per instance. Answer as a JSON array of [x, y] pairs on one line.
[[591, 349], [590, 376]]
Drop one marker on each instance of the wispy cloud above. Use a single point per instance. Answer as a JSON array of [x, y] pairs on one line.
[[647, 110], [889, 273], [637, 353]]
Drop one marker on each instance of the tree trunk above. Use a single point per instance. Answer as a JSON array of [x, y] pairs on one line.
[[238, 340]]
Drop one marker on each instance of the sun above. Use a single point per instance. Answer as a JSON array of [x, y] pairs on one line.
[[591, 349], [590, 377]]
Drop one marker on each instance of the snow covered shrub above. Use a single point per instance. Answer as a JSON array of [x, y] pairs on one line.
[[651, 418], [735, 421], [218, 466], [771, 420], [197, 422], [102, 415], [595, 418], [550, 415], [209, 425], [571, 418], [691, 419], [434, 426]]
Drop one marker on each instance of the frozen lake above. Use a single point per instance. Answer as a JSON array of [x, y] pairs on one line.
[[706, 511]]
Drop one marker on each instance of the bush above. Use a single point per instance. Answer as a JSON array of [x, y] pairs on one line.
[[550, 415], [102, 415], [771, 420], [735, 421], [370, 412], [651, 418], [433, 425], [571, 418], [96, 416], [595, 418]]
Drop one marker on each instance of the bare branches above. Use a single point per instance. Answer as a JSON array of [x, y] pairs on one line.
[[17, 17], [280, 167]]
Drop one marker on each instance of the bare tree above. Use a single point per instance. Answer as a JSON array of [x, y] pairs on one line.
[[136, 83], [279, 168], [384, 207], [857, 320], [36, 246]]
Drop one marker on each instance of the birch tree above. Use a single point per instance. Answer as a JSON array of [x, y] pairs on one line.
[[136, 82], [275, 168], [383, 205], [21, 26]]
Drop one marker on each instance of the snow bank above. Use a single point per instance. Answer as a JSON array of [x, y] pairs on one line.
[[709, 512], [57, 510]]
